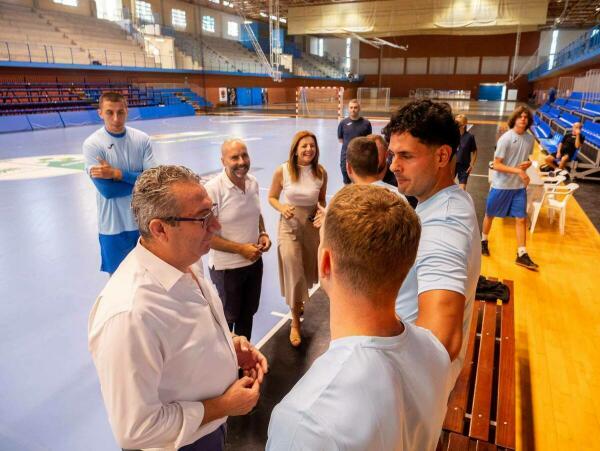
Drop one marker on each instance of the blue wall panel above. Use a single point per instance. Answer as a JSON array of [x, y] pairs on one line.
[[42, 121], [134, 114], [490, 92], [256, 96], [17, 123], [73, 118], [244, 96]]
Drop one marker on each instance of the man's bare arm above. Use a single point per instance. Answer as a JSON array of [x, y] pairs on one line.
[[441, 311]]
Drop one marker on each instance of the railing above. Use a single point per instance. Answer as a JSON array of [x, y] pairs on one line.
[[58, 54], [585, 47]]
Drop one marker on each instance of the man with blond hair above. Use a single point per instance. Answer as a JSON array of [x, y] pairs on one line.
[[235, 260], [336, 404], [167, 363]]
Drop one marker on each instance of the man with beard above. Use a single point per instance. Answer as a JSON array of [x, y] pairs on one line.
[[235, 261], [349, 128]]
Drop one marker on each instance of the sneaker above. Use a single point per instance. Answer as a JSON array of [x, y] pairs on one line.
[[525, 261], [484, 248], [546, 168]]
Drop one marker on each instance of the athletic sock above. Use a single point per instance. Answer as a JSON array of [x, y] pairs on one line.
[[521, 250], [484, 237]]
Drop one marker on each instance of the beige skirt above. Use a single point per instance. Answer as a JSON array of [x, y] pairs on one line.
[[298, 243]]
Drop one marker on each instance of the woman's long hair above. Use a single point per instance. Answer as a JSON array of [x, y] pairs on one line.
[[293, 157]]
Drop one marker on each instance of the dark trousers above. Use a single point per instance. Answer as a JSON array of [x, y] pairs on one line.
[[239, 290], [347, 180], [215, 441]]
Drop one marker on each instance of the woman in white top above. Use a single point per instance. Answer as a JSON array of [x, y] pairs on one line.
[[303, 182]]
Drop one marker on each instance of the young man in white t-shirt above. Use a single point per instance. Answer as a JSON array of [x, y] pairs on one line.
[[235, 261], [508, 195], [383, 383]]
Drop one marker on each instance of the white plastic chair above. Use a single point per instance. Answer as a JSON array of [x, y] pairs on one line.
[[551, 191], [560, 206]]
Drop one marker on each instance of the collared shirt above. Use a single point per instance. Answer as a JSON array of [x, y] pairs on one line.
[[513, 148], [448, 258], [161, 345], [367, 393], [239, 213]]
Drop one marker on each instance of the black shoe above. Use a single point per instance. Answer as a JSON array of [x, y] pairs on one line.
[[484, 248], [525, 261], [546, 168]]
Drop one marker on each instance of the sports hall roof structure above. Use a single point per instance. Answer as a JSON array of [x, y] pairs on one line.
[[394, 17]]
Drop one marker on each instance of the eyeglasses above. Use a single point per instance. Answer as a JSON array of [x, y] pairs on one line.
[[204, 220]]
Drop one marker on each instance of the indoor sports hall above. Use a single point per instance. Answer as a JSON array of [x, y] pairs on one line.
[[196, 73]]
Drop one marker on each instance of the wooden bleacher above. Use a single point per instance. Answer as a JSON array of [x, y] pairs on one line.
[[481, 409]]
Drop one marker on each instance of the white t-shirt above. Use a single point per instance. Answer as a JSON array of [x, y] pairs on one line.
[[367, 393], [305, 191], [449, 257], [513, 149], [239, 213]]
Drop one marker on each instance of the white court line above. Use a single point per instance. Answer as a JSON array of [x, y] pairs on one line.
[[478, 175], [273, 331], [284, 319]]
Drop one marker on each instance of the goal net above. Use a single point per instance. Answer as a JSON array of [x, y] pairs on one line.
[[319, 101], [373, 99]]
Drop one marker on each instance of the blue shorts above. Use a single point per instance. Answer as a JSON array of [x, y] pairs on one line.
[[502, 203]]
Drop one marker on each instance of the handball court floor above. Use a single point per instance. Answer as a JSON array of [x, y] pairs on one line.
[[49, 258]]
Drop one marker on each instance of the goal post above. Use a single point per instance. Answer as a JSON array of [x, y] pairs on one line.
[[320, 101], [373, 99]]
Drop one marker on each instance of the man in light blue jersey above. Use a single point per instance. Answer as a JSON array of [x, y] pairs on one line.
[[439, 290], [508, 195], [383, 383], [115, 155]]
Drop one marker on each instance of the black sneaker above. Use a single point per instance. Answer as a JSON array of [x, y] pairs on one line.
[[525, 261], [484, 248], [546, 168]]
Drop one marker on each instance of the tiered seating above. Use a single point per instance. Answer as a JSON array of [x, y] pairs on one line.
[[107, 43], [240, 56], [540, 129], [590, 111], [565, 121], [29, 37], [178, 95], [323, 67], [550, 145], [588, 163]]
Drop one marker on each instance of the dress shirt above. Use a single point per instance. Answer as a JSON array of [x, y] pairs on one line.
[[161, 345], [239, 213]]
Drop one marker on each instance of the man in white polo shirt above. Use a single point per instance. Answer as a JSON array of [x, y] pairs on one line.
[[235, 259]]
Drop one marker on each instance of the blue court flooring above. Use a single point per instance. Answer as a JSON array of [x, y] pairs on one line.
[[49, 258]]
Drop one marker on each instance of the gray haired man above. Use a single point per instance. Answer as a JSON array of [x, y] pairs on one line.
[[167, 363]]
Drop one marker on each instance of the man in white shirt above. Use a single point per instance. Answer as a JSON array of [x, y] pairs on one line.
[[439, 290], [235, 261], [383, 383], [167, 363]]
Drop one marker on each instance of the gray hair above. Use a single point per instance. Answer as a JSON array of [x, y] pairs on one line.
[[230, 142], [152, 196]]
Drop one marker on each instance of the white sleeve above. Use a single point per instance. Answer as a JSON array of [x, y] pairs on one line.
[[129, 360]]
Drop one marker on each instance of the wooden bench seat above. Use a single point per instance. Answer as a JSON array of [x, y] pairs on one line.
[[481, 408]]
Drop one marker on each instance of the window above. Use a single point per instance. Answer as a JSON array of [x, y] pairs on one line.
[[552, 49], [178, 19], [144, 11], [66, 2], [348, 53], [320, 47], [233, 29], [208, 23]]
